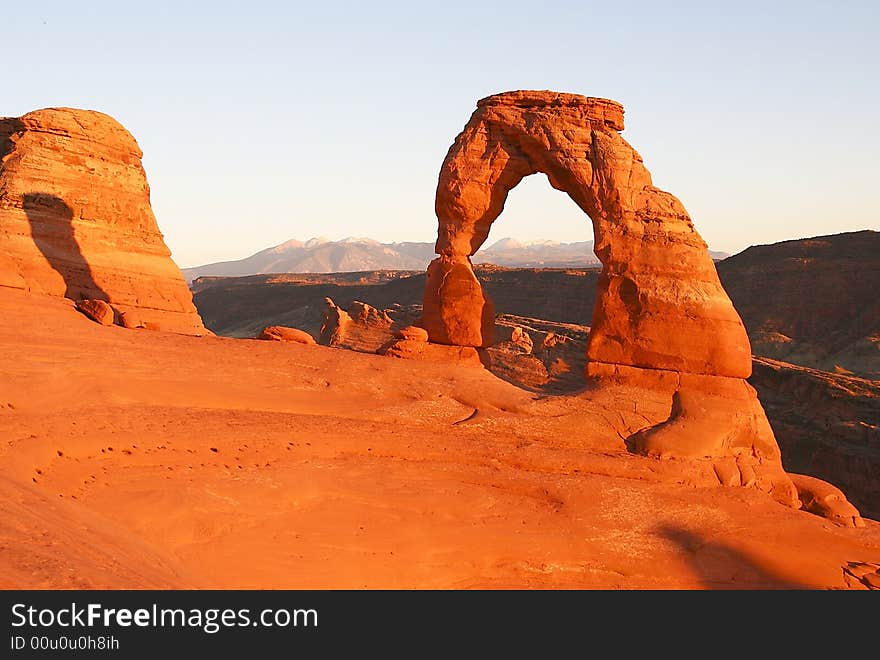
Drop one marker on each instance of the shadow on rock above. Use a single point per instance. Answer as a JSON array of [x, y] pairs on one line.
[[718, 565], [52, 229]]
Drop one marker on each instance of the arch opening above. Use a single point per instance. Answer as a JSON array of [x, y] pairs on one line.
[[659, 302], [538, 267]]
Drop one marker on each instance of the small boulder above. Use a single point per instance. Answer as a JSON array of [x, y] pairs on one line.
[[825, 500], [131, 320], [282, 333], [412, 333], [97, 310]]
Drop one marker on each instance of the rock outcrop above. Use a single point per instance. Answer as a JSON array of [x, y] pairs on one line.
[[362, 328], [662, 319], [862, 575], [660, 304], [76, 221], [97, 310], [282, 333], [412, 333]]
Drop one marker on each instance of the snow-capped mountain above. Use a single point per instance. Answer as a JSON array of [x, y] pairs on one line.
[[353, 254]]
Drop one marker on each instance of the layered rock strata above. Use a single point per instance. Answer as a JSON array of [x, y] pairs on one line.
[[76, 220]]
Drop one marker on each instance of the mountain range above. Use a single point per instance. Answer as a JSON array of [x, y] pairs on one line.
[[321, 255]]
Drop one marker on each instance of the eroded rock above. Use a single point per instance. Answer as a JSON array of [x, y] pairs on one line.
[[97, 310], [825, 500], [412, 333], [662, 321], [660, 304], [365, 328], [282, 333], [76, 221]]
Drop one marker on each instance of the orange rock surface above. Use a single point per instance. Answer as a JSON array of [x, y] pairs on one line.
[[97, 310], [341, 469], [76, 221], [281, 333]]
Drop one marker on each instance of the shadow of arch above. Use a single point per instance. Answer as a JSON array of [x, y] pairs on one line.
[[720, 566], [51, 221]]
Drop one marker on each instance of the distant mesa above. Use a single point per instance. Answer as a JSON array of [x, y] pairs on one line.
[[76, 221], [812, 301]]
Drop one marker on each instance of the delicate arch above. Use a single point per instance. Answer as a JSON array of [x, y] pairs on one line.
[[659, 303]]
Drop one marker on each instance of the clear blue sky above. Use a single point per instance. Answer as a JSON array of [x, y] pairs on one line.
[[264, 121]]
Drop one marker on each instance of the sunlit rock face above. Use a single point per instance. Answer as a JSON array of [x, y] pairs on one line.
[[660, 304], [76, 220]]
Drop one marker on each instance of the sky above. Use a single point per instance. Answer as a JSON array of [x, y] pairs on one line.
[[266, 121]]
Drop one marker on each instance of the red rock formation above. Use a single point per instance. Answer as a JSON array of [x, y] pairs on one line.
[[862, 575], [660, 304], [455, 309], [412, 333], [362, 328], [825, 500], [76, 219], [281, 333], [662, 320], [97, 310]]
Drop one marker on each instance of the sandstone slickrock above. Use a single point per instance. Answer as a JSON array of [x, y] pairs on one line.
[[97, 310], [131, 320], [662, 319], [282, 333], [862, 575], [76, 221]]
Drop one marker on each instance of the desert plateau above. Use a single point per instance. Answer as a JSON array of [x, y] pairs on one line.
[[648, 420]]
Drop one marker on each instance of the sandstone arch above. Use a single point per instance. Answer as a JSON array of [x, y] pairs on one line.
[[662, 319], [660, 304]]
